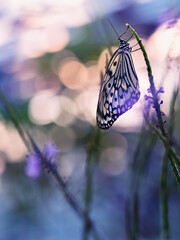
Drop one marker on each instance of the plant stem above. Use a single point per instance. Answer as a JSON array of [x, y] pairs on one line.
[[88, 195], [164, 198], [174, 159], [164, 186], [151, 81], [170, 152]]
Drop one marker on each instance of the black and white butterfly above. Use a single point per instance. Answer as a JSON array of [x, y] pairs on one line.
[[120, 87]]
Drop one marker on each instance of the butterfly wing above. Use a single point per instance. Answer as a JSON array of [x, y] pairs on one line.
[[119, 89]]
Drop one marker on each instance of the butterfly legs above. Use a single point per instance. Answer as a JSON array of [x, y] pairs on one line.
[[123, 33], [134, 46]]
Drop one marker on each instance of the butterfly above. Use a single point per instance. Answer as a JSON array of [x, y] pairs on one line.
[[119, 89]]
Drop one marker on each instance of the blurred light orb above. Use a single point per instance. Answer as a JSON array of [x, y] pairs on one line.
[[93, 73], [65, 168], [60, 56], [113, 161], [58, 38], [163, 49], [75, 17], [131, 120], [44, 108], [72, 161], [35, 42], [165, 41], [67, 111], [87, 104], [2, 165], [5, 31], [15, 149], [73, 74], [11, 143], [5, 138], [105, 57]]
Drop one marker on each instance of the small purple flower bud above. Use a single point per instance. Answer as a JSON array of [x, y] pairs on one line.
[[149, 90], [146, 97], [161, 90], [33, 166], [50, 150]]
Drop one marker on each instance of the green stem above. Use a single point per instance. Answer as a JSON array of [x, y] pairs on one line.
[[173, 158], [88, 195], [164, 186], [175, 169], [164, 198], [151, 81], [92, 154], [163, 136]]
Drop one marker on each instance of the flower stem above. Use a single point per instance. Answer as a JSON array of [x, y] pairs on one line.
[[151, 81], [174, 159], [164, 198]]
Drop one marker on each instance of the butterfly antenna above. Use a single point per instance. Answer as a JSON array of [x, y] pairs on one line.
[[123, 33], [113, 27]]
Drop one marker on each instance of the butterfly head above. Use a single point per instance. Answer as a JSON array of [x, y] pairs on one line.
[[124, 44]]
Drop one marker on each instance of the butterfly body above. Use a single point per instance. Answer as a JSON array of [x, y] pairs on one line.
[[119, 89]]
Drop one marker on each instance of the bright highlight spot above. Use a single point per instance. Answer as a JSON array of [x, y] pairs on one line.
[[165, 42], [87, 104], [67, 111], [113, 161], [35, 42], [73, 74], [5, 32], [44, 108], [11, 144], [2, 165], [104, 58]]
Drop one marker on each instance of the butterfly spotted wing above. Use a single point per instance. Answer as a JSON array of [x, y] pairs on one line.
[[119, 89]]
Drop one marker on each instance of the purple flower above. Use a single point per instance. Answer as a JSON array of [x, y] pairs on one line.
[[161, 90], [150, 101], [50, 151], [149, 90], [146, 97], [33, 166], [37, 160]]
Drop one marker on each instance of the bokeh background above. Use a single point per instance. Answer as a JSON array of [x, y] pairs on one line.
[[51, 56]]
